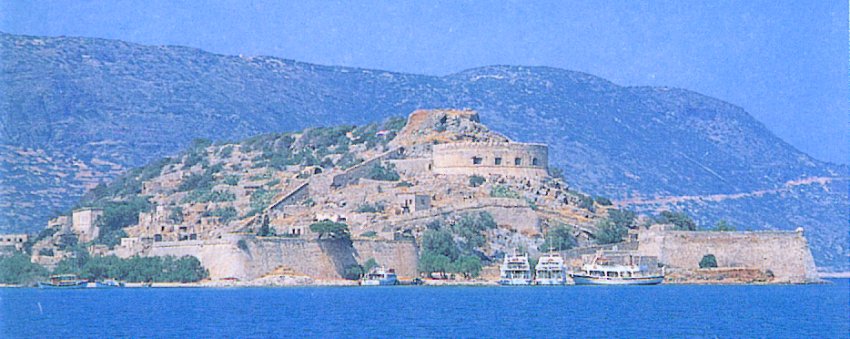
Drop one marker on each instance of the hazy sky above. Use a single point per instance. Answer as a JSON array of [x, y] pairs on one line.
[[786, 64]]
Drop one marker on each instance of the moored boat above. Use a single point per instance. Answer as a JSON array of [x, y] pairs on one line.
[[601, 272], [550, 270], [380, 276], [515, 270], [66, 281]]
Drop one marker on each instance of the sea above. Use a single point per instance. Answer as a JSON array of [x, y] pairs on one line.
[[668, 311]]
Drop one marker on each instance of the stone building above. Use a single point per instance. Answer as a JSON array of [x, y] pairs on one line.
[[85, 223], [410, 203], [491, 158], [13, 240]]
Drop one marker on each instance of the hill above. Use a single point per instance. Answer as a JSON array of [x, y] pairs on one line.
[[78, 111]]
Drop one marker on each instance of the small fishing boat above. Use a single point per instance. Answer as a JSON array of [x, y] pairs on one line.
[[66, 281], [601, 272], [380, 276], [550, 270], [515, 270]]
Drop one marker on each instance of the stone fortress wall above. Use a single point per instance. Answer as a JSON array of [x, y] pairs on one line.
[[785, 253], [491, 158], [256, 256]]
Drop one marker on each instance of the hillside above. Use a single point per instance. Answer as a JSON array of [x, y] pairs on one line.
[[76, 111]]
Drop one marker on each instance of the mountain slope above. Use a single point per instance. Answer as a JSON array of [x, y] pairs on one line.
[[76, 111]]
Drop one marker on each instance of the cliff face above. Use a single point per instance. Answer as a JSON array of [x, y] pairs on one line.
[[78, 111]]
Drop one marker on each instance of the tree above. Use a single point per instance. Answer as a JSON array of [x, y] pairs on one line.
[[468, 265], [265, 230], [17, 269], [431, 262], [608, 232], [369, 265], [559, 238], [622, 218], [440, 242], [680, 220], [708, 261], [471, 226], [334, 230]]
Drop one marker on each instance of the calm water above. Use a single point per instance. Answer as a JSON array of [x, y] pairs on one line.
[[652, 311]]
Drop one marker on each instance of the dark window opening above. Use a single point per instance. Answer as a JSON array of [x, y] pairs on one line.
[[476, 160], [498, 161], [518, 161], [535, 162]]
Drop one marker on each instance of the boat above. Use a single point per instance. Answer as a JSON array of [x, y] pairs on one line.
[[515, 270], [550, 270], [105, 284], [66, 281], [380, 276], [601, 272]]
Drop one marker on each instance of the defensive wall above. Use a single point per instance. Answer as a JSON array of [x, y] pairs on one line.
[[252, 257], [489, 158], [784, 253]]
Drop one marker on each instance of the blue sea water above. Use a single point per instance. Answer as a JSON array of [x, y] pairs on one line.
[[811, 311]]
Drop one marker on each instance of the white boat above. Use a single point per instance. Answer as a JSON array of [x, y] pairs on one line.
[[600, 272], [379, 276], [550, 270], [515, 270]]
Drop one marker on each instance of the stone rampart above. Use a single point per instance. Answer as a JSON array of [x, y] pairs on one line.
[[255, 256], [785, 254], [491, 158]]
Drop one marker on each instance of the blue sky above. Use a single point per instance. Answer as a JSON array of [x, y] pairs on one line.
[[785, 63]]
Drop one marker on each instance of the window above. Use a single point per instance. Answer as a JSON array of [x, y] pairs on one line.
[[535, 162], [498, 161], [518, 161], [476, 160]]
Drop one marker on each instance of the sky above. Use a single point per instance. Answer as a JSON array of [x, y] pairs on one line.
[[785, 63]]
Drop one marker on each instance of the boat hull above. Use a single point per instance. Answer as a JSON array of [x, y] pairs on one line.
[[550, 282], [590, 280], [81, 284], [515, 282], [379, 282]]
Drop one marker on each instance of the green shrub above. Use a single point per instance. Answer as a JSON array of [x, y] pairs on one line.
[[231, 180], [333, 230], [476, 180], [136, 269], [708, 261], [17, 269], [603, 201], [370, 208], [586, 202], [470, 229], [383, 173], [224, 214], [500, 191], [609, 232], [195, 182], [403, 184], [558, 238], [680, 220], [369, 265], [369, 234]]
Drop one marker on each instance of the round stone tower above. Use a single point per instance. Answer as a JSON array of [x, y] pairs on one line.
[[489, 158]]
